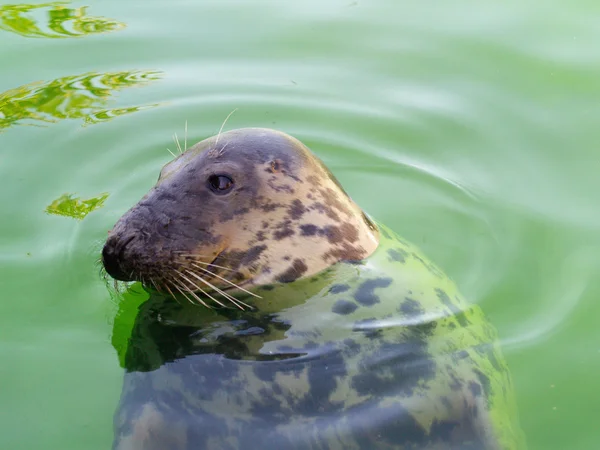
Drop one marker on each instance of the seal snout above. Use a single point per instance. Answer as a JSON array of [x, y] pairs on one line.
[[113, 257]]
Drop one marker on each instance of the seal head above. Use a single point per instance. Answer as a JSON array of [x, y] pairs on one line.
[[249, 207]]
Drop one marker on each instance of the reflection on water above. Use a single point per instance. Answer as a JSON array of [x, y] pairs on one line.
[[74, 97], [53, 20], [70, 206]]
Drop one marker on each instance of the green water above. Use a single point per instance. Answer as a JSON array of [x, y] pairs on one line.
[[468, 127]]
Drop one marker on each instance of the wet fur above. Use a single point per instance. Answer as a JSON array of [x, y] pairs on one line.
[[347, 344]]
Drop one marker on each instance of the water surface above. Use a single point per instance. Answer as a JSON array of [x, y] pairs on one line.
[[469, 128]]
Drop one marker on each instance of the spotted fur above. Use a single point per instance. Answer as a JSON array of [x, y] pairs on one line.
[[383, 355], [356, 342]]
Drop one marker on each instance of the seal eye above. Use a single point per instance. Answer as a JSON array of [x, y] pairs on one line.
[[220, 184]]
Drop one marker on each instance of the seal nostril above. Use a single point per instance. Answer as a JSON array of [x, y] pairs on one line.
[[112, 257]]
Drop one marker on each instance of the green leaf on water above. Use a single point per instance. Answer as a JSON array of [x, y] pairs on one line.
[[70, 206]]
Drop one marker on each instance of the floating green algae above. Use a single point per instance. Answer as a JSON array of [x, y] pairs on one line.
[[70, 206]]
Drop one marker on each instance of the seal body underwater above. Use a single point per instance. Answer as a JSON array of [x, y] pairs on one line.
[[281, 316]]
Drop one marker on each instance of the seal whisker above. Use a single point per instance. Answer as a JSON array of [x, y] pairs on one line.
[[233, 300], [170, 291], [177, 142], [185, 137], [197, 297], [155, 285], [200, 289], [226, 280], [185, 295], [220, 152], [172, 154], [224, 122], [205, 263], [214, 265]]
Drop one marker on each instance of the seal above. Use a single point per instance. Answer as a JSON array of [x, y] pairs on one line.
[[308, 325]]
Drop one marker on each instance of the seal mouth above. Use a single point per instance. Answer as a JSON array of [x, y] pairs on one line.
[[201, 283]]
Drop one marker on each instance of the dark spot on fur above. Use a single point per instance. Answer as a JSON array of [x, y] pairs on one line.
[[279, 187], [411, 308], [323, 209], [281, 234], [287, 257], [323, 374], [297, 269], [269, 206], [475, 388], [355, 262], [349, 232], [313, 180], [442, 430], [265, 224], [237, 277], [345, 253], [463, 354], [309, 229], [455, 310], [296, 210], [485, 384], [398, 255], [333, 234], [284, 229], [491, 354], [235, 259], [399, 367], [344, 307], [338, 288], [455, 385], [331, 199], [365, 294], [261, 235], [252, 254]]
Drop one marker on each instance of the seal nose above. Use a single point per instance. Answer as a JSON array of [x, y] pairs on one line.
[[112, 257]]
